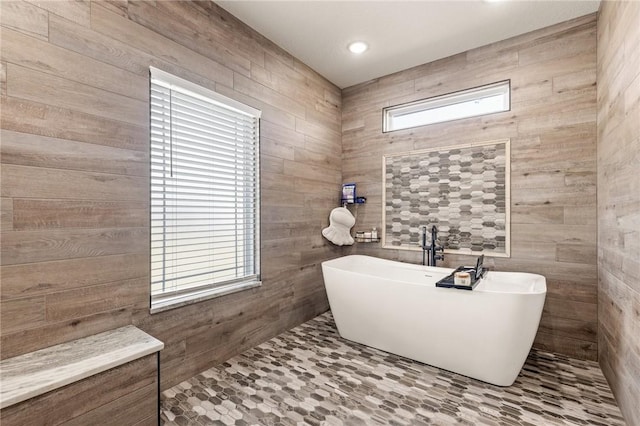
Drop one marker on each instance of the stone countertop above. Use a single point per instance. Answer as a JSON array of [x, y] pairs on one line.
[[35, 373]]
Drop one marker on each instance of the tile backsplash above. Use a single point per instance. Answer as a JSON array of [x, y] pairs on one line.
[[463, 190]]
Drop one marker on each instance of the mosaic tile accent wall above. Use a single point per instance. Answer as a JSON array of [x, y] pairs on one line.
[[463, 190]]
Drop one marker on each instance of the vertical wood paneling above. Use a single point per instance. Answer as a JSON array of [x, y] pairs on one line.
[[618, 216], [75, 210], [553, 160]]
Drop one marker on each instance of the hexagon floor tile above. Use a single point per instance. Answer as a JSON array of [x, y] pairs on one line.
[[310, 375]]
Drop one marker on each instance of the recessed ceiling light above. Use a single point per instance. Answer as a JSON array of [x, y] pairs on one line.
[[358, 47]]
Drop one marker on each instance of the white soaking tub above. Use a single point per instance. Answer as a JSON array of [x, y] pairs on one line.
[[485, 333]]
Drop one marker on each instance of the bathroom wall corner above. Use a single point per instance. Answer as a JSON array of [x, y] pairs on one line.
[[618, 156]]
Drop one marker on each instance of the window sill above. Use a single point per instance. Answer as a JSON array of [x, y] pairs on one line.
[[172, 302]]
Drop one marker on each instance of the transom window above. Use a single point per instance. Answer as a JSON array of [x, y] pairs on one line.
[[453, 106], [204, 193]]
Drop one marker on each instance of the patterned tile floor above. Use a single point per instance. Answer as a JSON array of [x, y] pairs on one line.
[[309, 375]]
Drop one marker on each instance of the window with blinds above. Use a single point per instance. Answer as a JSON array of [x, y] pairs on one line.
[[204, 193]]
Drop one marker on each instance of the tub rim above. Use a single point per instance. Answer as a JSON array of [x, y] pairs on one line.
[[488, 285]]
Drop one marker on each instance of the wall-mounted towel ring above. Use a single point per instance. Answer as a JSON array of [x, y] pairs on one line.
[[339, 230]]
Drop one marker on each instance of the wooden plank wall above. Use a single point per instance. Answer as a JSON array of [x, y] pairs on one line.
[[125, 395], [552, 126], [75, 209], [619, 202]]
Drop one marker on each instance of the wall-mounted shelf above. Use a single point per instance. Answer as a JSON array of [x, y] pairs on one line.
[[358, 200], [367, 240], [361, 237]]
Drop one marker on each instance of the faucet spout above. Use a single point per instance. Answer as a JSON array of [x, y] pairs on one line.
[[423, 244], [433, 248]]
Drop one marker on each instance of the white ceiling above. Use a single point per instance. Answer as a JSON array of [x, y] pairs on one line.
[[401, 34]]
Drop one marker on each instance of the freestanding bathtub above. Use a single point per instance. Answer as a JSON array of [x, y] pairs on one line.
[[485, 333]]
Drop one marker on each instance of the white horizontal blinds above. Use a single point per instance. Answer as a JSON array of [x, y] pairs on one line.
[[204, 189]]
